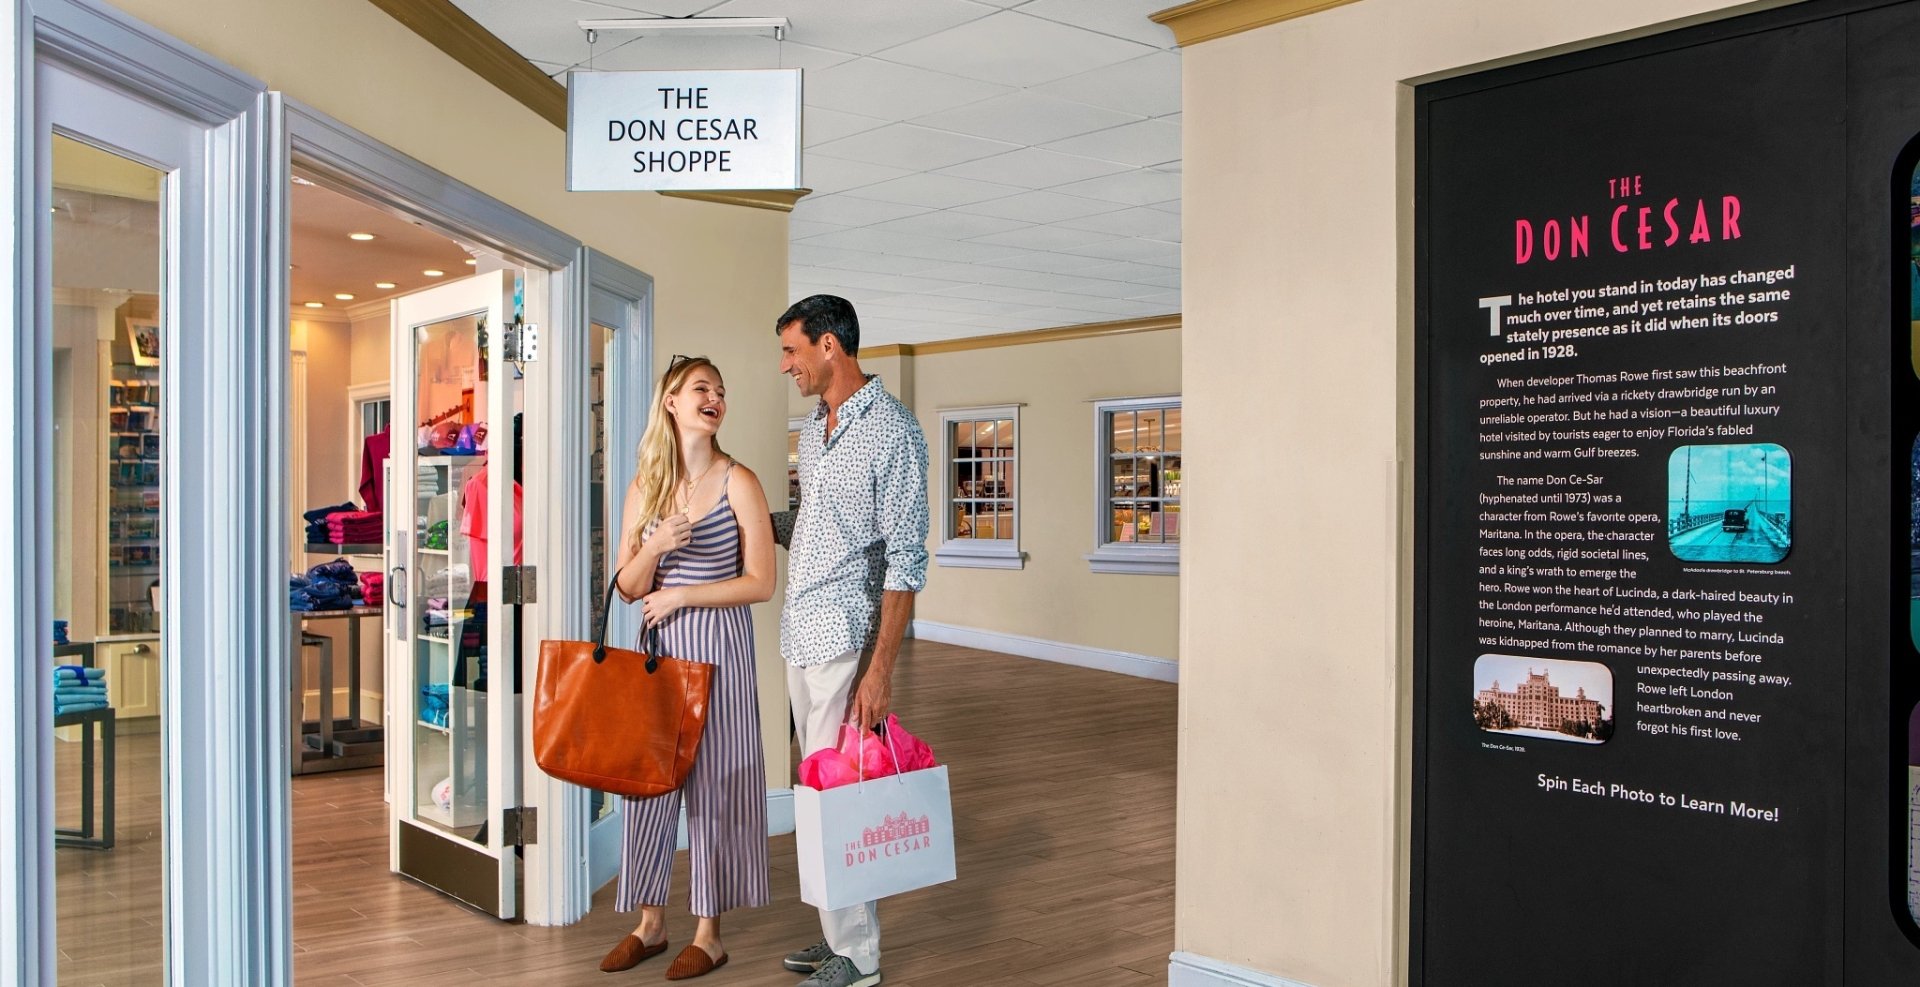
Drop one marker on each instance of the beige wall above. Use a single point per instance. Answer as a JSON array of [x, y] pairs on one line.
[[1056, 597], [1297, 203], [720, 272]]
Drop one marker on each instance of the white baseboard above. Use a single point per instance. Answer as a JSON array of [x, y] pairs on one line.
[[779, 811], [1194, 970], [1140, 666]]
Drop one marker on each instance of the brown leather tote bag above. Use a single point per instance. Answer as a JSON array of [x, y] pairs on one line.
[[619, 721]]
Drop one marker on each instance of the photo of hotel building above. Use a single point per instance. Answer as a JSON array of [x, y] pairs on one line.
[[1538, 704]]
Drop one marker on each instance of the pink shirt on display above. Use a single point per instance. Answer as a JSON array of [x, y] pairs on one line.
[[473, 521]]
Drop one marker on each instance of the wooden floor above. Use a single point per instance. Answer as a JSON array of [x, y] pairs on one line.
[[1063, 785]]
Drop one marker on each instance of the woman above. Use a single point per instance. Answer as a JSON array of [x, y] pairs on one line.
[[697, 554]]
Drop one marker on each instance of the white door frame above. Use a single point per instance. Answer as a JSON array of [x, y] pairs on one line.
[[621, 297], [227, 875], [555, 485]]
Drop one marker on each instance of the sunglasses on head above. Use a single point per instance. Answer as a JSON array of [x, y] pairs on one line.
[[678, 359]]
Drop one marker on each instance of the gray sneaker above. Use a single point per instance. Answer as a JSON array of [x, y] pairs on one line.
[[809, 959], [838, 971]]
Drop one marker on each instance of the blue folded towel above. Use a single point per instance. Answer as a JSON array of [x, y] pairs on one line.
[[63, 708], [76, 689], [80, 674]]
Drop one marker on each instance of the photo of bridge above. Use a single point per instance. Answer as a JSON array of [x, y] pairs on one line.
[[1730, 503]]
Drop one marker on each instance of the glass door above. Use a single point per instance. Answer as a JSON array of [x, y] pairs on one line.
[[455, 528]]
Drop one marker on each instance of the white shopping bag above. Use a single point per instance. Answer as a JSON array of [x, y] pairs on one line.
[[863, 842]]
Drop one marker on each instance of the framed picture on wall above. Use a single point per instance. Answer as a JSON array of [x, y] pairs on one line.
[[143, 337]]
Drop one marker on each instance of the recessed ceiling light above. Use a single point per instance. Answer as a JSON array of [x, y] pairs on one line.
[[471, 262], [343, 296], [384, 285], [297, 180], [316, 305], [359, 236], [430, 272]]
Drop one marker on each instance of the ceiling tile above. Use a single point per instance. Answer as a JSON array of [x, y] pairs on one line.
[[1150, 223], [1172, 206], [1125, 271], [999, 293], [1050, 262], [913, 284], [1135, 249], [1118, 308], [1120, 18], [641, 53], [1145, 143], [847, 211], [1011, 49], [858, 26], [1027, 118], [1047, 238], [872, 87], [823, 125], [951, 225], [967, 306], [1033, 168], [820, 255], [800, 229], [1040, 207], [547, 30], [1149, 86], [664, 8], [889, 244], [902, 145], [1072, 285], [935, 191], [1170, 300], [1133, 188], [826, 176]]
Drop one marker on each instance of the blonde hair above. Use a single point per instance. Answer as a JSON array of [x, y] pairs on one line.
[[658, 473]]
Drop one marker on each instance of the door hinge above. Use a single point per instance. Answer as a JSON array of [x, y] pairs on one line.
[[520, 826], [523, 342], [520, 584]]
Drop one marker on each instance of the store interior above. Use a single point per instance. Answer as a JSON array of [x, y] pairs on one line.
[[349, 262]]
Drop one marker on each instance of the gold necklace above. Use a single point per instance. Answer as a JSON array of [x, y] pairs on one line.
[[688, 486]]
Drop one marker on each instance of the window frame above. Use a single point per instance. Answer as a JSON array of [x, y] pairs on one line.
[[978, 553], [1127, 558]]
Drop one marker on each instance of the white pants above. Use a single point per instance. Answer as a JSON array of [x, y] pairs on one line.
[[820, 694]]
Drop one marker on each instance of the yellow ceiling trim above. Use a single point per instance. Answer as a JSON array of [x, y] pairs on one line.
[[1092, 330], [449, 29], [780, 199], [1205, 20]]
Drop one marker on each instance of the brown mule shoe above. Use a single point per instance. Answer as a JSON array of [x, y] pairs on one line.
[[694, 962], [628, 953]]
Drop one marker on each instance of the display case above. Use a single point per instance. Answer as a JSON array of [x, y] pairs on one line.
[[133, 500], [449, 785]]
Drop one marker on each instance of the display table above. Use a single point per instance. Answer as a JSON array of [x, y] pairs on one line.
[[88, 721], [329, 743]]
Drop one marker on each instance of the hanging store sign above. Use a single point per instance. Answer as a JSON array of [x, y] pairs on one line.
[[683, 131]]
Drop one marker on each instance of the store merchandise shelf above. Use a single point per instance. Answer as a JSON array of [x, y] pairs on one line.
[[435, 727], [344, 548]]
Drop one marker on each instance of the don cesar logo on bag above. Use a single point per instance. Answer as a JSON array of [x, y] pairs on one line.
[[895, 836], [732, 129]]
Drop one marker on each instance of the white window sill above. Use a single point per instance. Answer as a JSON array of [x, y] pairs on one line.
[[980, 555], [1141, 560]]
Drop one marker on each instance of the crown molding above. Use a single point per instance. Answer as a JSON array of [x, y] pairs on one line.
[[463, 39], [300, 313], [779, 199], [1091, 330], [1206, 20]]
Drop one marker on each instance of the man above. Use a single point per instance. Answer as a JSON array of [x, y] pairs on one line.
[[857, 553]]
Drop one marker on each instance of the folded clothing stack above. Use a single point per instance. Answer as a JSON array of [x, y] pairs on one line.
[[433, 704], [328, 586], [373, 589], [77, 688], [318, 531], [454, 581], [351, 527]]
